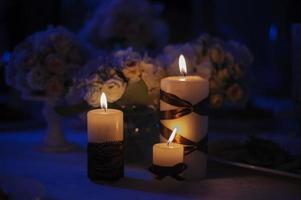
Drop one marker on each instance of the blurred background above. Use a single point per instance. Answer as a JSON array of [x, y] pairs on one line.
[[269, 28], [271, 110], [265, 27]]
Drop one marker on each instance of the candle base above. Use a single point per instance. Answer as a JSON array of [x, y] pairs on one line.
[[173, 171], [105, 161]]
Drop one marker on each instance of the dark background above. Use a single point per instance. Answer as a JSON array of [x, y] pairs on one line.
[[264, 26]]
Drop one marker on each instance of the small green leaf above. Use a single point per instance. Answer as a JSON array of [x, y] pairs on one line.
[[135, 93]]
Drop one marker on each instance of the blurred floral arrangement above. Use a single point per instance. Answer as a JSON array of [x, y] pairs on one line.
[[127, 78], [131, 79], [54, 62], [223, 63], [45, 63], [123, 23]]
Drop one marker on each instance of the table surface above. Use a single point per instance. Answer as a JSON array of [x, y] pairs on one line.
[[26, 173]]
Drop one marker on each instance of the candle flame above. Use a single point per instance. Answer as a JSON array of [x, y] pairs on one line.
[[172, 136], [103, 101], [182, 65]]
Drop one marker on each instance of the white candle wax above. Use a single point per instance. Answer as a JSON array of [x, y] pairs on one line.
[[193, 89], [105, 125], [167, 155], [192, 126]]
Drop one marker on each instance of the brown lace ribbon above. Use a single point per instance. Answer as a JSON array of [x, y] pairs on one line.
[[185, 108], [105, 160], [173, 171]]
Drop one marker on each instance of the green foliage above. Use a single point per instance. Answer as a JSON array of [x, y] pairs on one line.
[[135, 94]]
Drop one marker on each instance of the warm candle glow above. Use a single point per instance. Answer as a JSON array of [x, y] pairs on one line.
[[168, 154], [192, 126], [182, 65], [103, 101], [172, 136]]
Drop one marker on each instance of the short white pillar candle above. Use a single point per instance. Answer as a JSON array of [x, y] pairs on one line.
[[168, 154]]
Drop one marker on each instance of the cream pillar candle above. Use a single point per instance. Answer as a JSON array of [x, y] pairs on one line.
[[168, 154], [105, 125], [105, 143], [192, 126]]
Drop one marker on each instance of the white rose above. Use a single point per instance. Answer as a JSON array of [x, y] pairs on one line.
[[92, 95], [132, 73], [114, 89], [94, 78], [204, 69], [151, 75]]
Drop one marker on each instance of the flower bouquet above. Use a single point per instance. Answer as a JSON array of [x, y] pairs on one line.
[[223, 63], [123, 23], [131, 83], [127, 78], [41, 68]]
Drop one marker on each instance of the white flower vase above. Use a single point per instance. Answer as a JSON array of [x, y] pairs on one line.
[[55, 140]]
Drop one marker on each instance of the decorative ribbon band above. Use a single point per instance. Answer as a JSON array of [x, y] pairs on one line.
[[190, 146], [105, 160], [186, 107], [173, 171]]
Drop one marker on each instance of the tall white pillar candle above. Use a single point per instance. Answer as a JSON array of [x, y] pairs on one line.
[[193, 126]]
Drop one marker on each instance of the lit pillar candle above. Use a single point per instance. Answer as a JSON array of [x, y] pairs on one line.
[[105, 125], [191, 126], [105, 143], [168, 154]]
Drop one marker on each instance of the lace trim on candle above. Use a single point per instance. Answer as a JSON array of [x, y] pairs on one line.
[[105, 160], [174, 171]]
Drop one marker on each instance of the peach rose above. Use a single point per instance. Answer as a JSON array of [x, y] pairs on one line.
[[235, 92], [216, 100], [114, 89], [239, 72], [223, 74], [204, 69], [216, 55], [132, 73], [215, 85]]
